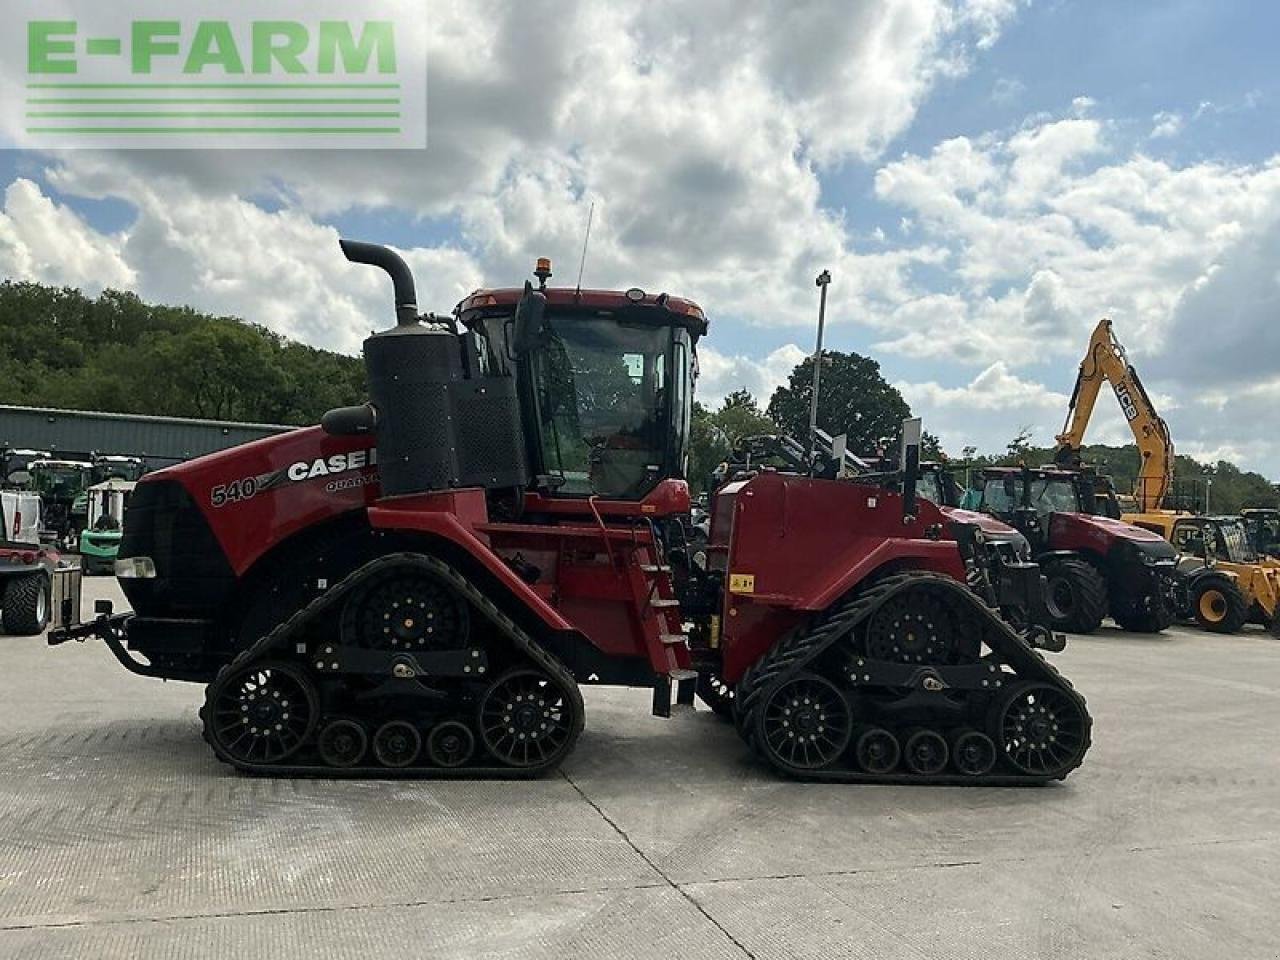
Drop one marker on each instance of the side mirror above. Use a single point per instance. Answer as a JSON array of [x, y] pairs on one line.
[[528, 320], [19, 478]]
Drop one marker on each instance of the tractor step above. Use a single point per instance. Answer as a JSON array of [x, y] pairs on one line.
[[664, 603], [654, 568], [672, 639]]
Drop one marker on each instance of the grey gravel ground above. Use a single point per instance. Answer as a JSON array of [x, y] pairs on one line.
[[120, 836]]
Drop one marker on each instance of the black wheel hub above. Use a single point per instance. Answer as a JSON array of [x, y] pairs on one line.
[[262, 713], [912, 630], [805, 722], [524, 718], [1061, 597], [1042, 730], [411, 612]]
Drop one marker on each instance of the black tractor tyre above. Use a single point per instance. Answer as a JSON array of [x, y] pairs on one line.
[[1075, 595], [1139, 619], [1218, 605], [25, 605]]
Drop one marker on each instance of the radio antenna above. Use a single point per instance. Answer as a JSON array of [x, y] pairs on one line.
[[582, 264]]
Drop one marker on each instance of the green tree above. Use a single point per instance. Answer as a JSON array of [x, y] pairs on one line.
[[714, 433], [854, 399]]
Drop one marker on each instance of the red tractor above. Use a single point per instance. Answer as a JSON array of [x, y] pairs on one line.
[[422, 583], [1094, 563]]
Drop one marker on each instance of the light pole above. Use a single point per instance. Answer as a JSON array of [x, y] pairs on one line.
[[824, 279]]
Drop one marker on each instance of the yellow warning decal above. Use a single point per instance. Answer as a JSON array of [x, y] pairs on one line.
[[742, 583]]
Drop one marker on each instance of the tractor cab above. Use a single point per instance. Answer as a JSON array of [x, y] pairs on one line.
[[1263, 528], [604, 379], [108, 467]]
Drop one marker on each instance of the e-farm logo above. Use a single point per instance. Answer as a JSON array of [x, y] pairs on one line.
[[290, 74]]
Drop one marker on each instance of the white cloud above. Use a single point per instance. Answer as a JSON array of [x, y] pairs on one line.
[[42, 240], [1166, 125], [722, 374]]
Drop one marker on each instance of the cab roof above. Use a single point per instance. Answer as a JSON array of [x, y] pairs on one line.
[[684, 312]]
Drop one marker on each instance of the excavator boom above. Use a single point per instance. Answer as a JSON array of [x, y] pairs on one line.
[[1105, 360]]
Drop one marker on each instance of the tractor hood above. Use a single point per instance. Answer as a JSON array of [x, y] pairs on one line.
[[991, 528], [1080, 531]]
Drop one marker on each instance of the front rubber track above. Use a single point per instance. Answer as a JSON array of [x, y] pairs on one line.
[[278, 645]]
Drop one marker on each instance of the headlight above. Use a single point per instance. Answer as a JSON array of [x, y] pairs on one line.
[[136, 568]]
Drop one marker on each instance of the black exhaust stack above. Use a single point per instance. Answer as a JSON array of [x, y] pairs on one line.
[[376, 255], [438, 426]]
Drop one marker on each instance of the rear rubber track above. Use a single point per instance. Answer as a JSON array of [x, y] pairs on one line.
[[803, 646]]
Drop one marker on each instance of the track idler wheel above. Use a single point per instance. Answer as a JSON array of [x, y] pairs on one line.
[[1040, 730], [526, 720], [877, 751], [973, 753], [450, 744], [342, 743], [804, 723], [261, 714], [925, 753], [396, 744]]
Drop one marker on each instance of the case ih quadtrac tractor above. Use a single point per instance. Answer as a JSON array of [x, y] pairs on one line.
[[1094, 563], [421, 584]]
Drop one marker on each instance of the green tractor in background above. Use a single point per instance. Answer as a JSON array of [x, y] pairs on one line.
[[61, 485], [100, 539]]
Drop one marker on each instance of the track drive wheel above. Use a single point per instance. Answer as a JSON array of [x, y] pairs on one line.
[[1218, 605], [260, 714], [526, 720], [1040, 730], [1075, 594], [803, 723]]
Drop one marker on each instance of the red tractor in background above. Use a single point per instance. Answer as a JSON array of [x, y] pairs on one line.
[[1094, 563], [422, 583]]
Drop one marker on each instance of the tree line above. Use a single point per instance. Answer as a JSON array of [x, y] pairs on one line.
[[115, 353], [59, 348]]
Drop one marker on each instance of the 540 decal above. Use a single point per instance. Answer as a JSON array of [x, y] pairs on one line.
[[245, 488]]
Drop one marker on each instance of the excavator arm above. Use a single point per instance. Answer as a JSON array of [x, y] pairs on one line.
[[1106, 360]]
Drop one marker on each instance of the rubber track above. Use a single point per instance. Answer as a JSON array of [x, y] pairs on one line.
[[279, 637], [802, 646]]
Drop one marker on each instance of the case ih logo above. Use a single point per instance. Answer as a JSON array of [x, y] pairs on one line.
[[342, 466], [280, 73]]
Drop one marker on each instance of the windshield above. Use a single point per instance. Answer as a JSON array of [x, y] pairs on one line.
[[1233, 544], [1046, 495], [604, 404], [58, 481], [1054, 496], [929, 487]]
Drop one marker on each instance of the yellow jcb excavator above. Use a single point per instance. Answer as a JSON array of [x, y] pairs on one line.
[[1222, 582]]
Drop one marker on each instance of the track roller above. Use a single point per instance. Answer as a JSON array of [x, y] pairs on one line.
[[925, 753], [342, 743], [396, 744], [450, 744], [973, 753], [877, 750]]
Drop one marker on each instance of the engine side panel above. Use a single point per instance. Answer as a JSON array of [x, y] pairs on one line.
[[798, 545]]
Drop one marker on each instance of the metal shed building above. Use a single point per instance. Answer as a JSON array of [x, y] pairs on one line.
[[74, 434]]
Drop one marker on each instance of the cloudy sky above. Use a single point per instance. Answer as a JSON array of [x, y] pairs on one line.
[[985, 179]]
